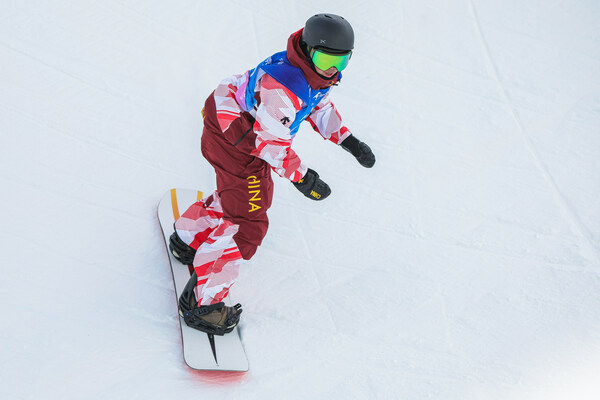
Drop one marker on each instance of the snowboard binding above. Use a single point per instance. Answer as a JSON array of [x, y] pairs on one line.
[[215, 319], [180, 250], [194, 318]]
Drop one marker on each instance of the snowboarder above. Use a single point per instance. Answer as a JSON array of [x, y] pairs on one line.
[[250, 121]]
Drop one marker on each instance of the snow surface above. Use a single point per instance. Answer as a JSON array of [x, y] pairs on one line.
[[464, 265]]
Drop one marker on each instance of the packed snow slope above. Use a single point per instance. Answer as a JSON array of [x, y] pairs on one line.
[[464, 265]]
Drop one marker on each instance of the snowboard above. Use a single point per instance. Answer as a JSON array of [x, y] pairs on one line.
[[201, 351]]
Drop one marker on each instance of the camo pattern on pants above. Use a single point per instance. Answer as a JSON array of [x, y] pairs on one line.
[[217, 261]]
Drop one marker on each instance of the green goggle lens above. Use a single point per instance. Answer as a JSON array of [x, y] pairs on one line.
[[324, 61]]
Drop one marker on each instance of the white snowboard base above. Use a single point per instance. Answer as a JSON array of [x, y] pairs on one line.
[[201, 351]]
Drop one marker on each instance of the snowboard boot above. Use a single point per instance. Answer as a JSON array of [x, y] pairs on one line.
[[180, 250], [216, 319]]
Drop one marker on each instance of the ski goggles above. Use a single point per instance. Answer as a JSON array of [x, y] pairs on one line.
[[324, 61]]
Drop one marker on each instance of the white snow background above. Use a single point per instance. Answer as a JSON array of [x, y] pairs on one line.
[[464, 265]]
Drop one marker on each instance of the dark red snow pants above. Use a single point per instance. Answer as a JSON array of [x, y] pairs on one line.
[[244, 181]]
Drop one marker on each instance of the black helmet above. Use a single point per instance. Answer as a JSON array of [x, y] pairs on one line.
[[328, 32]]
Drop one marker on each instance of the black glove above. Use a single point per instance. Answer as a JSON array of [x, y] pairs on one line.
[[312, 186], [360, 150]]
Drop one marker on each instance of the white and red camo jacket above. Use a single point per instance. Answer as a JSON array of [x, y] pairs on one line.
[[274, 112]]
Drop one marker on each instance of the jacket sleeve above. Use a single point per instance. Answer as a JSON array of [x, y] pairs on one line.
[[327, 121], [275, 114], [227, 108]]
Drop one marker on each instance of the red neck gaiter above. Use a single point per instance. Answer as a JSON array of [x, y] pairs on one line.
[[298, 59]]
